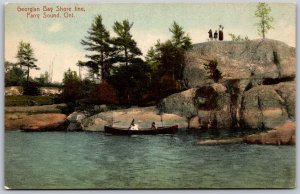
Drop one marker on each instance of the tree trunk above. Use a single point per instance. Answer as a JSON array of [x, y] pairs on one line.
[[263, 26], [28, 74], [126, 56], [102, 68]]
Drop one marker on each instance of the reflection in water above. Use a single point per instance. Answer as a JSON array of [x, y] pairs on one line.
[[95, 160]]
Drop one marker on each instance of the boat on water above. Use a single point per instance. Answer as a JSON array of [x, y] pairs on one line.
[[146, 131]]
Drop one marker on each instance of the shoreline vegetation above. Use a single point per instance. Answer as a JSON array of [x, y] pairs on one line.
[[241, 100], [237, 85]]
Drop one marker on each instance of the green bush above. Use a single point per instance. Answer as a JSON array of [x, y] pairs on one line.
[[31, 88]]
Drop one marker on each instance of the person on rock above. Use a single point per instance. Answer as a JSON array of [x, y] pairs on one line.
[[221, 37], [216, 35], [210, 35]]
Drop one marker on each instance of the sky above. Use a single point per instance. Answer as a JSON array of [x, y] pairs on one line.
[[57, 40]]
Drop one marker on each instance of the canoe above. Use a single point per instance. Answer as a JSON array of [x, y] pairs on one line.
[[145, 131]]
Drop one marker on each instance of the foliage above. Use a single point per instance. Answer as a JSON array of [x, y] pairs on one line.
[[238, 38], [43, 80], [8, 66], [167, 62], [30, 88], [14, 76], [153, 58], [125, 45], [172, 60], [213, 71], [263, 14], [98, 41], [179, 38], [105, 93], [73, 87], [25, 57], [131, 82], [29, 100]]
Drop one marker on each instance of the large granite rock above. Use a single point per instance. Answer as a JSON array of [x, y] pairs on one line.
[[280, 135], [268, 106], [182, 103], [143, 116], [13, 91], [284, 134], [255, 60], [38, 122], [75, 120]]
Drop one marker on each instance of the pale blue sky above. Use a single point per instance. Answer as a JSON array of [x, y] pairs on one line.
[[58, 40]]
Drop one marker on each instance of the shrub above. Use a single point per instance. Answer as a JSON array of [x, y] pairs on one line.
[[213, 71], [105, 93], [31, 88]]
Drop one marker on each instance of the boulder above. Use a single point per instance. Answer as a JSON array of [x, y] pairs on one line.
[[181, 103], [280, 135], [194, 123], [263, 107], [220, 141], [143, 116], [75, 120], [47, 91], [77, 117], [287, 91], [13, 91], [254, 60], [38, 122], [214, 107]]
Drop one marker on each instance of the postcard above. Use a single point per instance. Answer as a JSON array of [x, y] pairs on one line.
[[150, 95]]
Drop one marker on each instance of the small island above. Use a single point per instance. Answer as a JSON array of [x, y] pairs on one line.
[[150, 96]]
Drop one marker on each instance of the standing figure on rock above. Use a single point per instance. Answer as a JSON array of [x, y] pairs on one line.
[[216, 35], [221, 37], [210, 35]]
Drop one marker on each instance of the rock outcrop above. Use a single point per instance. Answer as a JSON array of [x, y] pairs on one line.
[[255, 60], [143, 116], [18, 90], [75, 120], [280, 135], [38, 122], [257, 89], [13, 91]]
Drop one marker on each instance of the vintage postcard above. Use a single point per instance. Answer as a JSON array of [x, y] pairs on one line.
[[150, 95]]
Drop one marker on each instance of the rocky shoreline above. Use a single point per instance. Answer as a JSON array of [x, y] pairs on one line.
[[257, 91]]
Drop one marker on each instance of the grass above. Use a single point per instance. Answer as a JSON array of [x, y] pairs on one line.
[[29, 100]]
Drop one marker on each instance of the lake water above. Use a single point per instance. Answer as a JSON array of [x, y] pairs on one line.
[[91, 160]]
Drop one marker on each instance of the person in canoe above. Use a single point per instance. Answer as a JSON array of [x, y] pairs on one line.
[[133, 126], [153, 126]]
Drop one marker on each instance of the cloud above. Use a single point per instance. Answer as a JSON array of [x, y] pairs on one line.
[[63, 56], [56, 27]]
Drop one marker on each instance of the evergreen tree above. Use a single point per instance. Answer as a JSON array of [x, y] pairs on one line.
[[263, 14], [126, 46], [153, 57], [179, 38], [25, 57], [98, 41]]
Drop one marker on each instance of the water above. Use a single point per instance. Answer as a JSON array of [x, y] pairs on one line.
[[83, 160]]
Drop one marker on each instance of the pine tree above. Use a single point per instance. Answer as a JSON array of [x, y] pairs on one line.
[[179, 38], [25, 57], [263, 14], [98, 42], [125, 45]]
